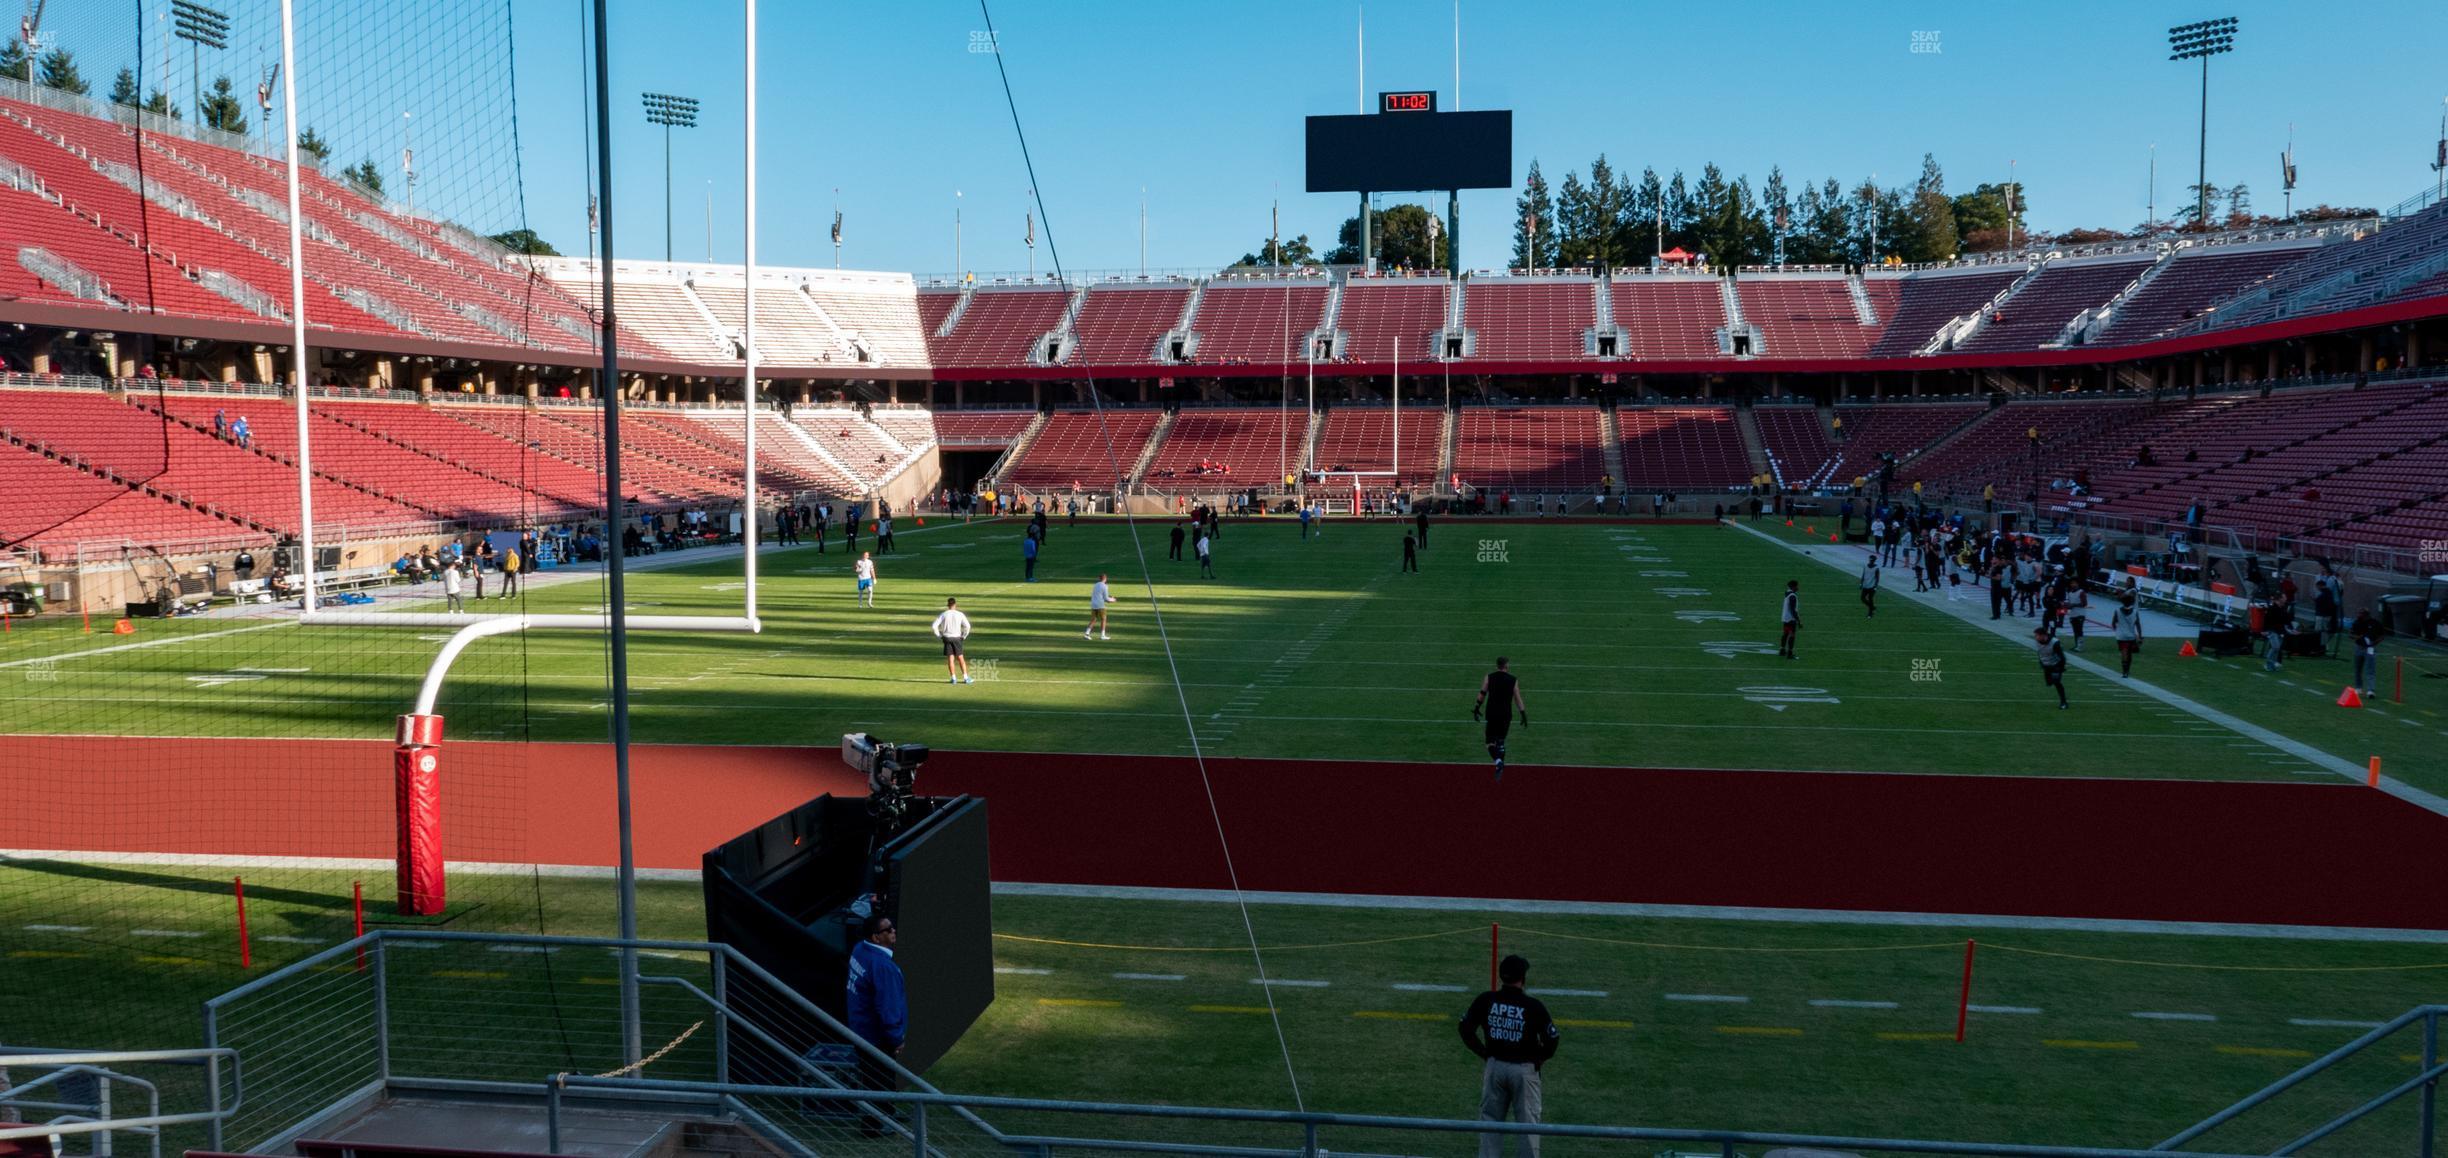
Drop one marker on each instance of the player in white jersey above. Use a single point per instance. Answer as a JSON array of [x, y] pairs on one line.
[[864, 569], [1098, 597], [952, 627]]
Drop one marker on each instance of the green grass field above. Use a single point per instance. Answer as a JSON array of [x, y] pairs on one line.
[[1638, 646], [1153, 1002]]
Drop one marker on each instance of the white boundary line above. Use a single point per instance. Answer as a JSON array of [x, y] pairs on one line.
[[1353, 900], [2013, 629], [1716, 913]]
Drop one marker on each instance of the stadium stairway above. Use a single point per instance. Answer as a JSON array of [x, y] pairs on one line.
[[1963, 329], [1155, 443], [2085, 326], [1861, 300], [1753, 446], [1020, 445], [1610, 443]]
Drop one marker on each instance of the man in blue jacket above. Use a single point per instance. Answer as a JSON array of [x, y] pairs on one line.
[[878, 1007]]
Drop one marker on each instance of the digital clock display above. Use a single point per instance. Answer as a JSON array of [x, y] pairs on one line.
[[1406, 102]]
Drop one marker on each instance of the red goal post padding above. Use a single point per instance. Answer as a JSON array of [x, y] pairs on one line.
[[417, 768]]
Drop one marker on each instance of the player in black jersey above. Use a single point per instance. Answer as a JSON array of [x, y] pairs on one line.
[[1500, 698]]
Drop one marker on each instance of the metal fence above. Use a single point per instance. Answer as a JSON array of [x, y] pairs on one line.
[[944, 1126], [95, 1096], [540, 1021], [404, 1012]]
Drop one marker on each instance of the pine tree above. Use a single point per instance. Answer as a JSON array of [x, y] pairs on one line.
[[1534, 222], [1573, 243], [13, 61], [222, 110], [312, 142], [1931, 235], [366, 174], [123, 88], [1607, 196], [1678, 205], [59, 71], [159, 105], [1776, 210]]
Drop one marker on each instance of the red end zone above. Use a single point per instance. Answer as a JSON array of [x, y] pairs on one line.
[[2260, 853]]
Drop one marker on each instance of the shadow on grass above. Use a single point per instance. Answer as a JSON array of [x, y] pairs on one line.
[[112, 874]]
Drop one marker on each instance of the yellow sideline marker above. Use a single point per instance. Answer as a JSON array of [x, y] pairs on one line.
[[1228, 1009], [2261, 1051], [1392, 1015], [2074, 1043], [1080, 1002], [1592, 1023], [1916, 1037]]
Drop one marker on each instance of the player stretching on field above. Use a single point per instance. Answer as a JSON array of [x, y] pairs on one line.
[[1791, 619], [1500, 697], [1098, 597]]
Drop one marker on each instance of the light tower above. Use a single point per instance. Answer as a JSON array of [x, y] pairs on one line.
[[670, 112], [2201, 41]]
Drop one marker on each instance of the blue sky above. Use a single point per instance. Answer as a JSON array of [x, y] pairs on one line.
[[1200, 105]]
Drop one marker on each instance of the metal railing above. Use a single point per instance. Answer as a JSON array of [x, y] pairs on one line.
[[491, 1014], [410, 1013], [81, 1087], [2276, 1120], [940, 1124]]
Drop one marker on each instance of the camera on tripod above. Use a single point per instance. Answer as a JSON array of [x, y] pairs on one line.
[[891, 771]]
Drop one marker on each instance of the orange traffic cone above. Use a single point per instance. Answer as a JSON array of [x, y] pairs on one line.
[[2187, 650], [123, 627], [2348, 699], [922, 522], [1831, 538], [1810, 530], [1789, 522]]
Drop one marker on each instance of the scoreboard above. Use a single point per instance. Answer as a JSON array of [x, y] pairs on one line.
[[1407, 145]]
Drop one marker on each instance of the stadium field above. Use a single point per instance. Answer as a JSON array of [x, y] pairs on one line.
[[1639, 645], [1642, 646], [1731, 1024]]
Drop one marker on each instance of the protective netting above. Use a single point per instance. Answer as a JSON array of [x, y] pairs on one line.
[[173, 737]]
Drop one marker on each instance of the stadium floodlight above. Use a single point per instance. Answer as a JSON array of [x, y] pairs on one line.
[[201, 28], [2202, 40], [671, 112]]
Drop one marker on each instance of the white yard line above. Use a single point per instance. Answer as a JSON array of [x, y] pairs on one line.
[[1420, 987], [2021, 1010], [2175, 1016], [168, 641], [1833, 1003], [1720, 998], [1149, 977]]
